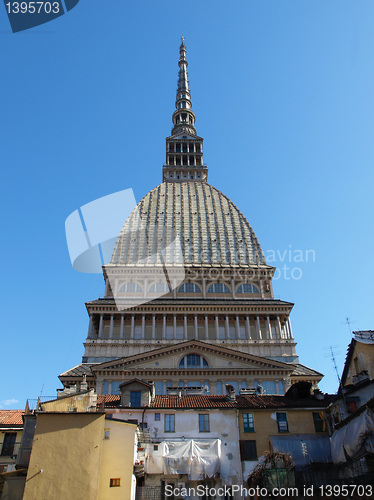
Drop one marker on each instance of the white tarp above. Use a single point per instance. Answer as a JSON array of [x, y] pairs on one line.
[[354, 438], [195, 458]]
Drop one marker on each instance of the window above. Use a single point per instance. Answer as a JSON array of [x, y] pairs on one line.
[[319, 422], [218, 288], [248, 450], [106, 433], [204, 423], [268, 387], [282, 422], [160, 288], [115, 386], [8, 443], [135, 398], [169, 423], [247, 288], [115, 482], [193, 360], [130, 287], [248, 422], [189, 288], [159, 388], [157, 416]]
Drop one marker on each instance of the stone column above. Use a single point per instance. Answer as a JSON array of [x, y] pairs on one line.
[[237, 324], [217, 328], [122, 330], [132, 332], [262, 288], [90, 333], [204, 288], [287, 329], [174, 326], [233, 287], [115, 291], [101, 326], [143, 326], [279, 328], [111, 326], [206, 327], [164, 327], [153, 326], [185, 327], [227, 331], [195, 326], [290, 328], [269, 326], [248, 327], [145, 285], [259, 333]]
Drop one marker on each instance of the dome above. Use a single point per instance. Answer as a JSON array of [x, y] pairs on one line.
[[211, 230]]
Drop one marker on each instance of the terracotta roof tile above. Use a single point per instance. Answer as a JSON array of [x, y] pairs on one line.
[[193, 401], [209, 401], [11, 417], [107, 399]]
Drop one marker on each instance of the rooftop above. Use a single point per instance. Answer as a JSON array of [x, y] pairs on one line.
[[11, 417]]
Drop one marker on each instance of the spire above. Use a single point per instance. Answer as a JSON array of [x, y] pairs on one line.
[[183, 117], [184, 149]]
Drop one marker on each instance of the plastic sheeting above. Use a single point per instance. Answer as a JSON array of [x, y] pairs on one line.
[[354, 439], [304, 448], [195, 458]]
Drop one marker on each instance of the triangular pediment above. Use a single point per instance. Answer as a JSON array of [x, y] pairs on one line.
[[217, 357]]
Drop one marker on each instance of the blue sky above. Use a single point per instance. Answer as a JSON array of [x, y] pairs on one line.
[[283, 95]]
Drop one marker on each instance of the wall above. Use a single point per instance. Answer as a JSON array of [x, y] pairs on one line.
[[117, 461], [365, 357], [8, 460], [80, 402], [299, 422], [223, 426], [67, 448]]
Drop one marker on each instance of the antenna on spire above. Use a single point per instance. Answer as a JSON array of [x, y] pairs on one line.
[[349, 325], [339, 379]]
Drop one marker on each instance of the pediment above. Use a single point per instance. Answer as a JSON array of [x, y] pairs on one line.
[[217, 357]]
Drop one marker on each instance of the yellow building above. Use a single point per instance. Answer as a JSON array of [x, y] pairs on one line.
[[295, 424], [80, 454]]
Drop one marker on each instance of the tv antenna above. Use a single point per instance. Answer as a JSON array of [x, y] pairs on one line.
[[339, 379]]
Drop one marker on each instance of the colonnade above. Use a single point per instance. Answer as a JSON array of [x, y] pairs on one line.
[[188, 327]]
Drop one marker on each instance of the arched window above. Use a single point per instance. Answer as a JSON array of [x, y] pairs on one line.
[[130, 288], [247, 288], [193, 361], [160, 288], [189, 288], [218, 288]]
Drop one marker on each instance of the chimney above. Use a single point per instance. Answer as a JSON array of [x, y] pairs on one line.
[[230, 391]]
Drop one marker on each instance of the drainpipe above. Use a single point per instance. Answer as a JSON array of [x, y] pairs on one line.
[[241, 465]]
